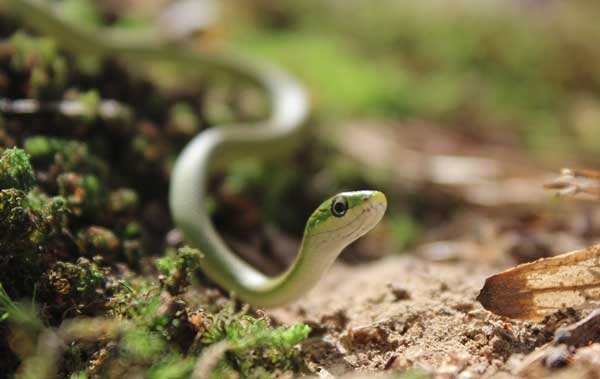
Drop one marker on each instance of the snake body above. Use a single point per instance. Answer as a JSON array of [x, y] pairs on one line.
[[333, 225]]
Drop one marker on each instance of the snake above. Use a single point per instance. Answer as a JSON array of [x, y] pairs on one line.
[[337, 222]]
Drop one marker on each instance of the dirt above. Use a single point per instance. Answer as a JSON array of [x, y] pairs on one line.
[[403, 312]]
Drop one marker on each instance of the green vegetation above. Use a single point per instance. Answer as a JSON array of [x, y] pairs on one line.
[[68, 223], [179, 268], [40, 57], [343, 82], [15, 170], [256, 349], [28, 223], [17, 313], [489, 65]]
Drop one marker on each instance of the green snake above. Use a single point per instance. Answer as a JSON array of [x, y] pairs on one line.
[[336, 223]]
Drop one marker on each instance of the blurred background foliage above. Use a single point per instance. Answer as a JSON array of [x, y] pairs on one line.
[[524, 69]]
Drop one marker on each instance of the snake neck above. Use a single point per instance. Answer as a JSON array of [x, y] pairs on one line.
[[313, 260], [188, 207]]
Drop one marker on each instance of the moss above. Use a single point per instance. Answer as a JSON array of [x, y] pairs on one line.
[[65, 154], [171, 367], [169, 335], [49, 214], [14, 219], [43, 237], [27, 221], [15, 170], [257, 349], [39, 57], [96, 240], [79, 375], [140, 345], [177, 269], [75, 288], [123, 201], [84, 193], [29, 224]]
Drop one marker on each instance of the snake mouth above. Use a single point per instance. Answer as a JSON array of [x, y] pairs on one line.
[[378, 200], [375, 210], [369, 217]]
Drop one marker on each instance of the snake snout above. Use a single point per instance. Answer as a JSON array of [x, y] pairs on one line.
[[378, 199]]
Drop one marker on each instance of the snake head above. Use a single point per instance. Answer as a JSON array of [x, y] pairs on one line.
[[345, 217]]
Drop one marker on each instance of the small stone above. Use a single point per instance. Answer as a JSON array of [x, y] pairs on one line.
[[557, 357], [399, 292]]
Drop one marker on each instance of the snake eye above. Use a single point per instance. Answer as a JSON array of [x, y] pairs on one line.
[[339, 205]]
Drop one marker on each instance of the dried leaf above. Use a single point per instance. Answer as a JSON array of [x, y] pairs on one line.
[[534, 290]]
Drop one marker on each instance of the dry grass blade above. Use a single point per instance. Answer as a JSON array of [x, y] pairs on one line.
[[534, 290]]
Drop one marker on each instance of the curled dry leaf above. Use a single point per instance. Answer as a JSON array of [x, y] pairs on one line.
[[534, 290]]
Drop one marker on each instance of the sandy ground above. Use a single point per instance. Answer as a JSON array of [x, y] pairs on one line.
[[404, 313]]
